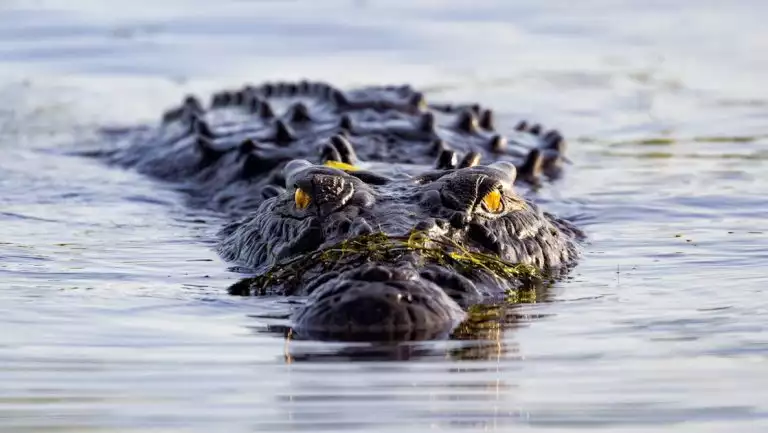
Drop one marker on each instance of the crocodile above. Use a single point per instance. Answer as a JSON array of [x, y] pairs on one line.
[[388, 215]]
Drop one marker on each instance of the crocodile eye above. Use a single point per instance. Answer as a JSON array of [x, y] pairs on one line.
[[301, 198], [493, 202]]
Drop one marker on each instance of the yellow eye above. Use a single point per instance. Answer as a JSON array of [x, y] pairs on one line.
[[492, 201], [301, 198], [340, 165]]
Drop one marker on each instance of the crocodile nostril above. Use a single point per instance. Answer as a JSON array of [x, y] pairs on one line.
[[376, 274]]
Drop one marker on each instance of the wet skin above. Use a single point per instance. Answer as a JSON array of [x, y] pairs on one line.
[[339, 167]]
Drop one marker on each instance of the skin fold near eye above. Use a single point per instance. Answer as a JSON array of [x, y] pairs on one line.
[[301, 198], [492, 201]]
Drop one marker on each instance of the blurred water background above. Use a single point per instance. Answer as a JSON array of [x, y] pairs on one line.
[[113, 313]]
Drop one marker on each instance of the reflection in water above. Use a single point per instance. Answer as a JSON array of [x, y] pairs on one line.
[[483, 335], [462, 382]]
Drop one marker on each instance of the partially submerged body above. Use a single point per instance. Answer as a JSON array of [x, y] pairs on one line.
[[371, 203]]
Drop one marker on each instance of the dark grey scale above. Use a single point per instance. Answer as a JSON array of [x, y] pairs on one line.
[[437, 147], [417, 100], [304, 87], [344, 133], [270, 191], [535, 129], [498, 144], [280, 89], [247, 146], [534, 252], [554, 140], [459, 220], [265, 111], [400, 130], [253, 104], [553, 153], [268, 89], [371, 178], [208, 153], [252, 166], [521, 126], [466, 122], [221, 99], [345, 123], [323, 90], [377, 105], [244, 96], [475, 108], [173, 114], [298, 113], [191, 103], [328, 152], [188, 117], [290, 89], [190, 106], [486, 120], [338, 99], [446, 160], [283, 135], [316, 89], [485, 237], [431, 200], [471, 159], [427, 123], [391, 139], [344, 148], [239, 98], [443, 108], [200, 128], [530, 170]]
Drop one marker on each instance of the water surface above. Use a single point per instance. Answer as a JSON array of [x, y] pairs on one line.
[[112, 304]]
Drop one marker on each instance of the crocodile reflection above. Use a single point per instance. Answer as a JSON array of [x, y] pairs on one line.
[[487, 333]]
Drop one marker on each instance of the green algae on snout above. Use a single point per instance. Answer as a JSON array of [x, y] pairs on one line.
[[453, 254], [382, 248]]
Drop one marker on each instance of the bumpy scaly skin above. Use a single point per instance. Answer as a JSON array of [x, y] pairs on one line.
[[416, 170]]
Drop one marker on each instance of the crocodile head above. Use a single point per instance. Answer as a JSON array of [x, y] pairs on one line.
[[395, 256]]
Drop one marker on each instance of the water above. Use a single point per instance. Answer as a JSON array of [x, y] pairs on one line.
[[113, 313]]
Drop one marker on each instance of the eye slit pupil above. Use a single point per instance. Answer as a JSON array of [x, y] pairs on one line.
[[301, 198]]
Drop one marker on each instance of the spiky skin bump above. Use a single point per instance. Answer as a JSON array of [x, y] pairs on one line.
[[400, 166]]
